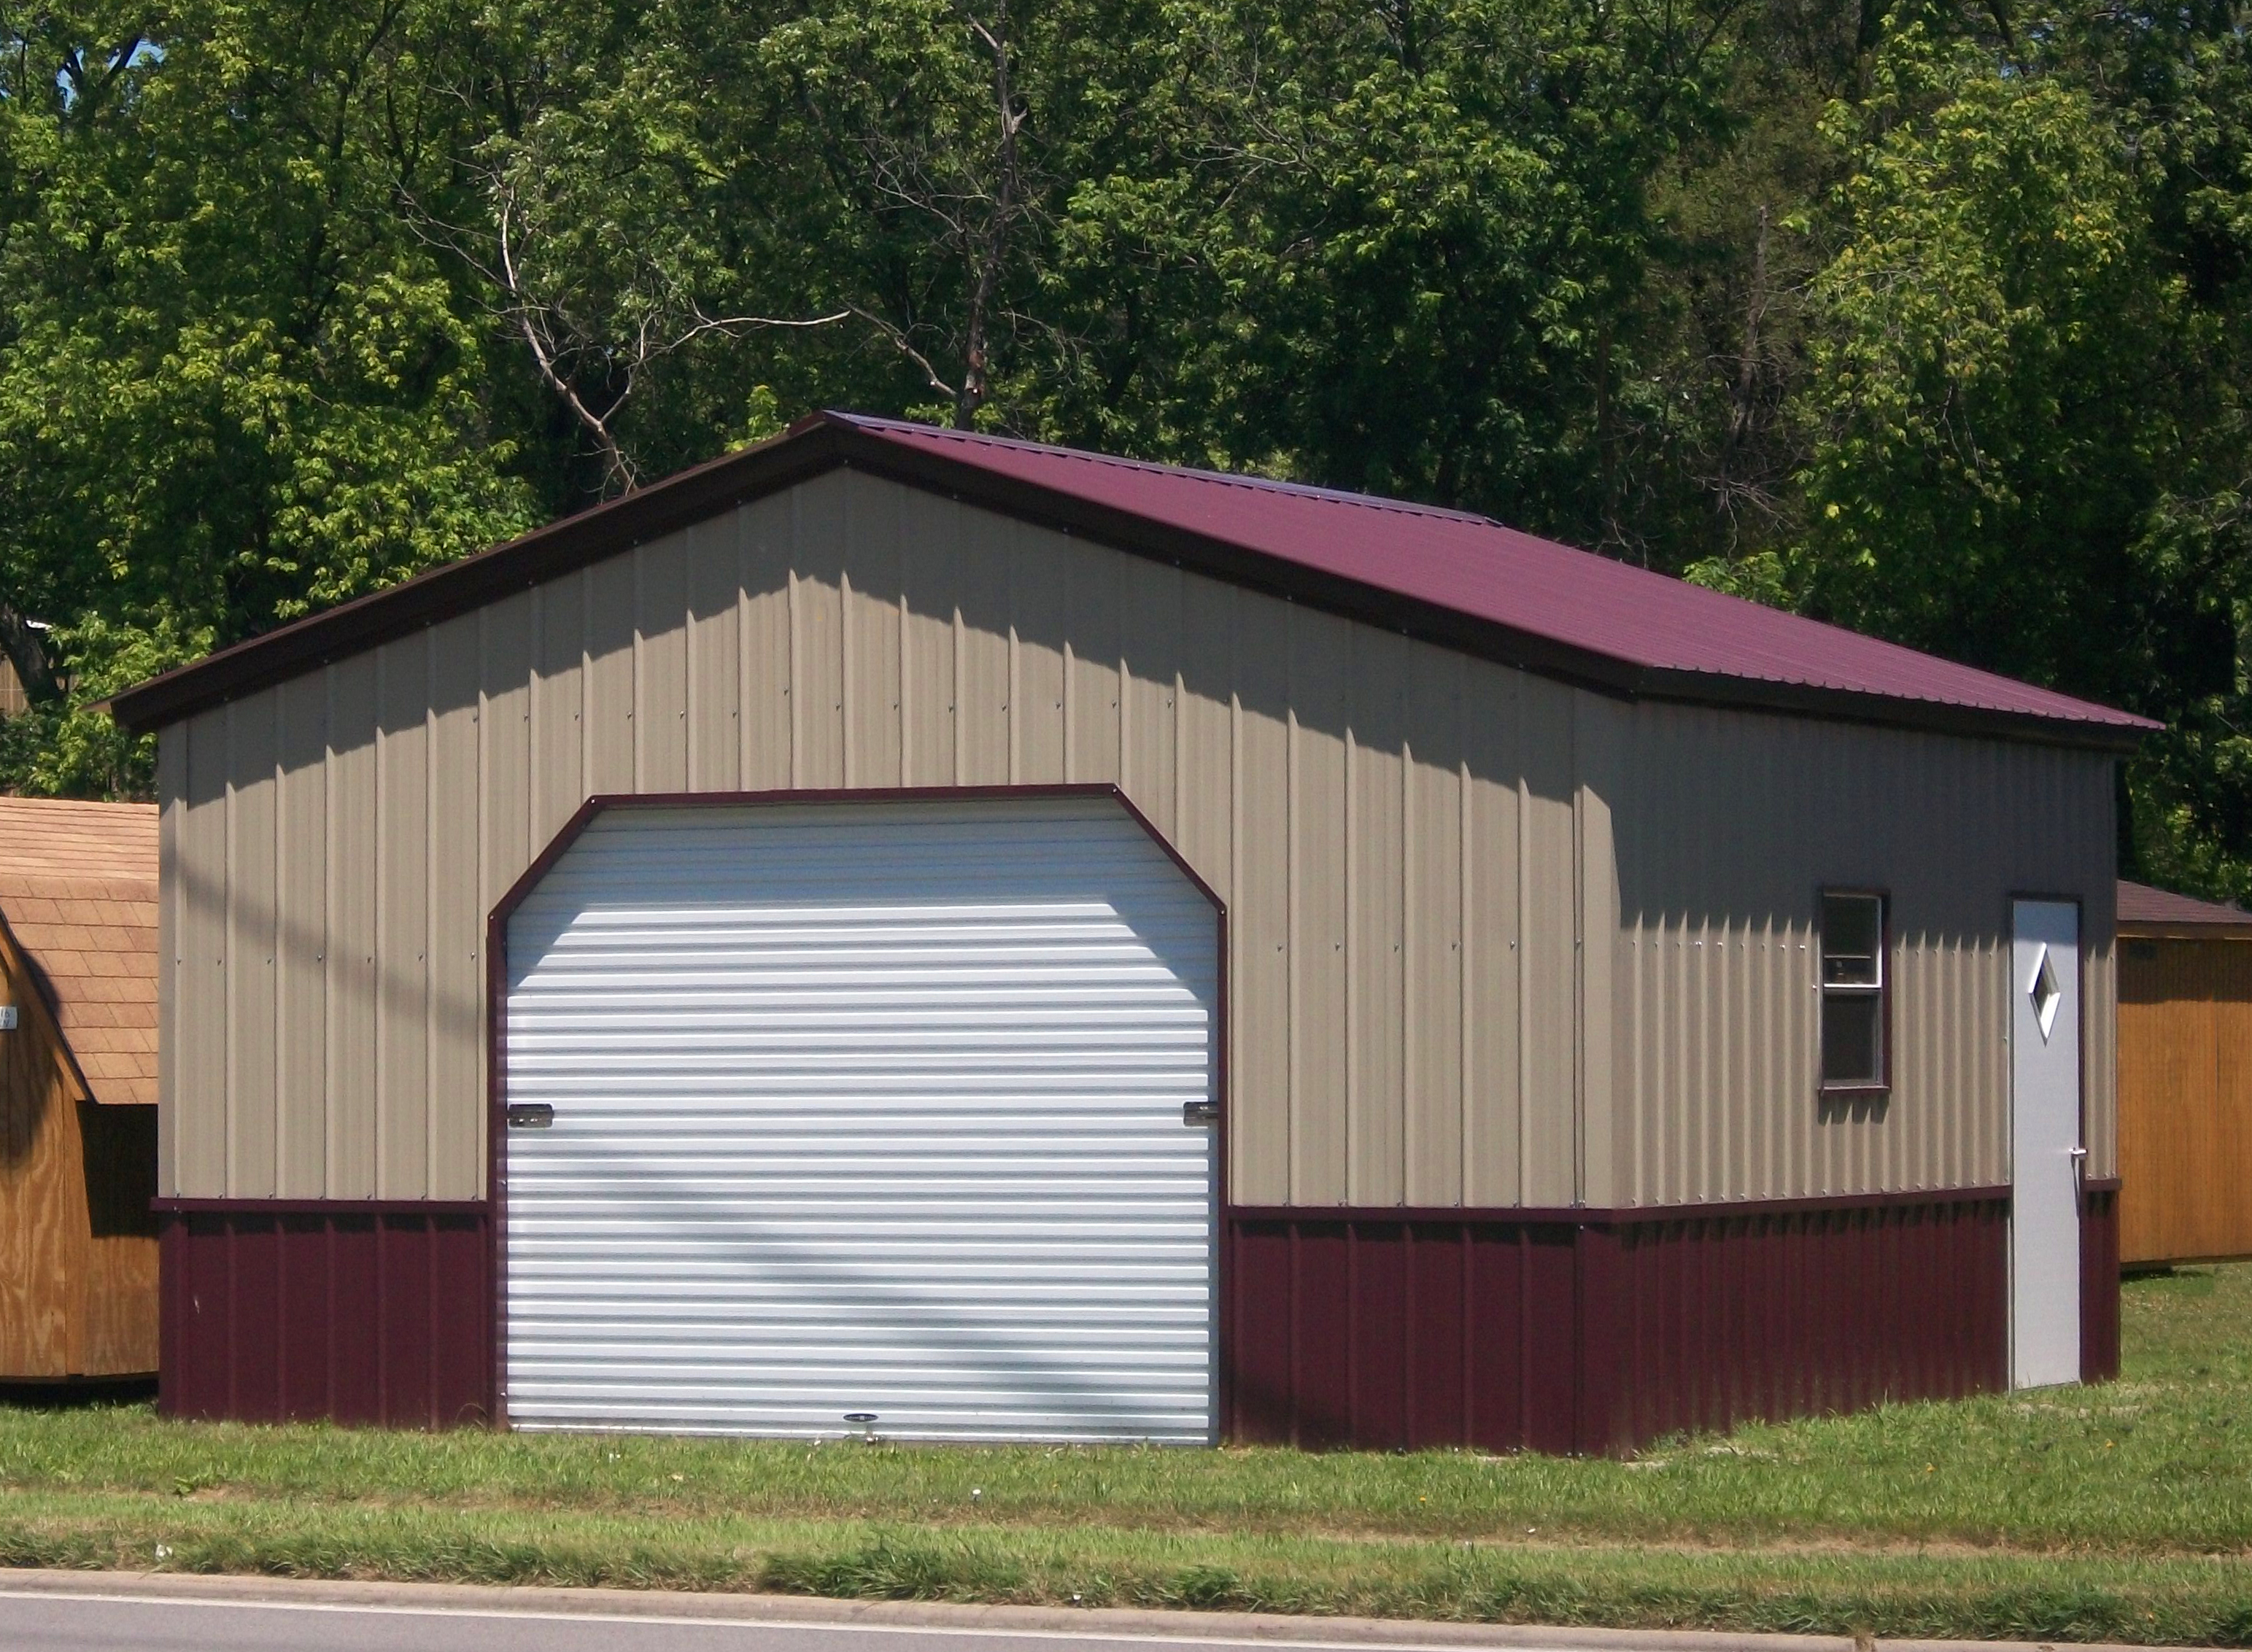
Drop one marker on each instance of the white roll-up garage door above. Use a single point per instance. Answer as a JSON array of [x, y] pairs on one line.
[[864, 1108]]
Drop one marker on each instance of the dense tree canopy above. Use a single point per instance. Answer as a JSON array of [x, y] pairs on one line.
[[1931, 316]]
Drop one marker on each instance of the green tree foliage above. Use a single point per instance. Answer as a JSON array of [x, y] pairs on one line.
[[1927, 317], [2022, 403], [234, 384]]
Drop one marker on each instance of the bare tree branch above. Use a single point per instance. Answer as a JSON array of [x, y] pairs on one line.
[[563, 343], [988, 257], [899, 342]]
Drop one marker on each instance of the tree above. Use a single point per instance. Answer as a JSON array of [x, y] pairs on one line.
[[2027, 435], [233, 385]]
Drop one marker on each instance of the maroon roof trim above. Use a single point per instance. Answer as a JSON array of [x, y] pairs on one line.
[[827, 442]]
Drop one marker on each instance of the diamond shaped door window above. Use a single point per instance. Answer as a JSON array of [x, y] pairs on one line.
[[2044, 992]]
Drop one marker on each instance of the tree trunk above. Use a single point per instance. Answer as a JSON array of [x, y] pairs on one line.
[[26, 645]]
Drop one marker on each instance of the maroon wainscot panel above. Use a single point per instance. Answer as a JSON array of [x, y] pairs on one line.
[[1590, 1331], [366, 1313], [2099, 1281]]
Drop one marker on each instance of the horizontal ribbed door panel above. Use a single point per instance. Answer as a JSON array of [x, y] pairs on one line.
[[869, 1108]]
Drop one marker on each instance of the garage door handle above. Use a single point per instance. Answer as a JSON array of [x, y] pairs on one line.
[[1199, 1112], [531, 1115]]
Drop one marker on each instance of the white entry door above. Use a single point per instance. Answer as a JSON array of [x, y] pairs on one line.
[[2045, 1144], [886, 1112]]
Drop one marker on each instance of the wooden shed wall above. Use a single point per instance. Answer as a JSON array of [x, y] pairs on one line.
[[1413, 846], [2184, 1100], [77, 1244]]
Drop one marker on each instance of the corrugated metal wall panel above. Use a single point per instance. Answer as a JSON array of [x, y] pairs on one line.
[[404, 823], [248, 941], [352, 1314], [172, 808], [301, 973], [1716, 1031], [1607, 1335], [354, 939], [968, 650], [864, 1110]]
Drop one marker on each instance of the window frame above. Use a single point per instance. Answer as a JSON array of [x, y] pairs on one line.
[[1828, 1089]]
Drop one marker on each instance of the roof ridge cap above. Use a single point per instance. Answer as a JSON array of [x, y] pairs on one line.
[[1196, 473]]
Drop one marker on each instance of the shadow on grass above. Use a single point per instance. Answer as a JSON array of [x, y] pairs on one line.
[[77, 1395]]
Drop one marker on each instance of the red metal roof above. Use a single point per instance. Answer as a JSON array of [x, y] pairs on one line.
[[1461, 580], [1473, 564], [2141, 906]]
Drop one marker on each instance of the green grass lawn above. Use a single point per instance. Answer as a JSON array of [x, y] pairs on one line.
[[2122, 1512]]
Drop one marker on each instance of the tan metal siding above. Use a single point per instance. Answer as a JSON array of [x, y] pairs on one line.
[[1491, 793], [351, 1098], [714, 712], [1319, 721], [1433, 1013], [248, 941], [1729, 825], [1413, 846], [172, 791], [198, 1066], [1259, 984], [301, 975], [1547, 899], [454, 926], [660, 718]]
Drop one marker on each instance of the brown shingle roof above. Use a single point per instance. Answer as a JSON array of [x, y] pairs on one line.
[[78, 891], [2144, 908]]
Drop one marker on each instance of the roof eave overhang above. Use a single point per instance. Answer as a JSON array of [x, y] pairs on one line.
[[456, 587], [823, 443], [2173, 929]]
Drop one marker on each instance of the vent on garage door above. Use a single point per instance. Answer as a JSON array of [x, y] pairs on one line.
[[862, 1108]]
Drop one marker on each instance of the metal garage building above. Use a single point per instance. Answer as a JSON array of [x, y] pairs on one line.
[[1010, 943]]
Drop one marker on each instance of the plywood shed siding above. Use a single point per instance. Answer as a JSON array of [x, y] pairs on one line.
[[1413, 846], [2185, 1099], [78, 1255], [1731, 827]]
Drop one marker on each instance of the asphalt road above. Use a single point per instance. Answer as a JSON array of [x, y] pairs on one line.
[[119, 1619]]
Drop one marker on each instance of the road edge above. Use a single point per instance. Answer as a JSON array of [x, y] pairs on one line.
[[935, 1615]]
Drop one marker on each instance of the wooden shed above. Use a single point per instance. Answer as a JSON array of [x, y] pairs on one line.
[[1018, 944], [2184, 1078], [78, 1090]]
